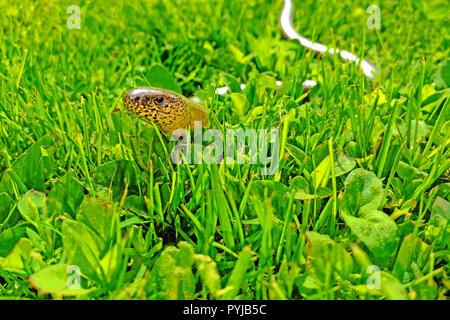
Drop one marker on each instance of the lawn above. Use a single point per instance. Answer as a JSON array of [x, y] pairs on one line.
[[92, 206]]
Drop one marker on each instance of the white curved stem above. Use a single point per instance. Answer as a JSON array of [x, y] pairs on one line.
[[288, 29], [287, 26]]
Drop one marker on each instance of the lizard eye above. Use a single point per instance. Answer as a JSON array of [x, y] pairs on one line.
[[159, 101]]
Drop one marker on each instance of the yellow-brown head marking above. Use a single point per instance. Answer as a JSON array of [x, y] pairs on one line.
[[168, 110]]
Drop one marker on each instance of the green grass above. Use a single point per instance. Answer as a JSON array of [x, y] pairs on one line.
[[362, 182]]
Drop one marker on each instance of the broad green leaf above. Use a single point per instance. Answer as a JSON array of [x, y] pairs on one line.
[[32, 205], [82, 248], [423, 290], [391, 287], [377, 231], [136, 204], [110, 262], [9, 238], [33, 208], [444, 191], [300, 184], [325, 255], [97, 215], [121, 123], [361, 258], [38, 243], [56, 279], [27, 170], [411, 187], [409, 252], [67, 193], [185, 256], [427, 91], [231, 82], [115, 177], [265, 81], [321, 173], [440, 208], [310, 287], [423, 130], [172, 277], [363, 192], [296, 153], [408, 172], [5, 206], [438, 228], [442, 75], [160, 77], [14, 261], [240, 103], [353, 149], [431, 103], [343, 164], [269, 188], [301, 188]]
